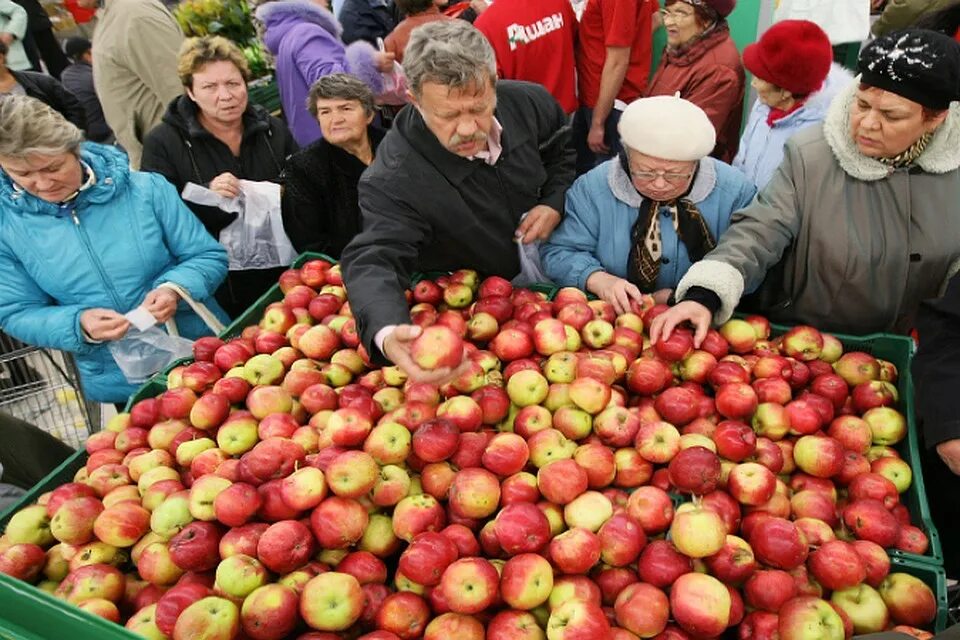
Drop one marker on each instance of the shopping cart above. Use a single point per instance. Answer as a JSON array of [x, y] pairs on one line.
[[42, 387]]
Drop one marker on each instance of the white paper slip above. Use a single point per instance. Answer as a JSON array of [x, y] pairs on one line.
[[141, 318]]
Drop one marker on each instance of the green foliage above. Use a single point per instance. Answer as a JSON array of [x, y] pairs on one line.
[[231, 19]]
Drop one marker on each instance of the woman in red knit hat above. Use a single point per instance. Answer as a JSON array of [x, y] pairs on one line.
[[702, 63], [795, 81]]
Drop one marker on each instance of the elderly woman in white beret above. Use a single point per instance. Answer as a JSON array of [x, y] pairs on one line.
[[636, 223]]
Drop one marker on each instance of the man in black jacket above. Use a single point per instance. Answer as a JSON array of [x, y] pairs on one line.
[[78, 80], [451, 182], [936, 370]]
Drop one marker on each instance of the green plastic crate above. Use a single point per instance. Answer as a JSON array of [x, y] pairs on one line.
[[936, 579], [899, 350]]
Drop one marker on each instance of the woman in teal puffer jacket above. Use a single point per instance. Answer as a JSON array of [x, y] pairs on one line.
[[84, 240]]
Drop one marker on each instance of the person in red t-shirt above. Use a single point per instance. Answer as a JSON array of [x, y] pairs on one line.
[[614, 55], [534, 41]]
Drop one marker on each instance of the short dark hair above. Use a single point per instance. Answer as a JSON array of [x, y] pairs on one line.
[[413, 7], [340, 86]]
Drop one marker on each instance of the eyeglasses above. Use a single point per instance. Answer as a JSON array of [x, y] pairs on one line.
[[669, 176], [675, 16]]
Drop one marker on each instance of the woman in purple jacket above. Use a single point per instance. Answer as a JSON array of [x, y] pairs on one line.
[[304, 38]]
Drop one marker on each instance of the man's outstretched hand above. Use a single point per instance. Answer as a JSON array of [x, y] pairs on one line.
[[396, 346]]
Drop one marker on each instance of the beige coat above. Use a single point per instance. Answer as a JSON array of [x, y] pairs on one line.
[[135, 68], [862, 244]]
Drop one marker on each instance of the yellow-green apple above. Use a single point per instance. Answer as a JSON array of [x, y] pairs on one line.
[[589, 394], [171, 515], [92, 581], [73, 521], [819, 455], [803, 343], [236, 437], [522, 528], [576, 620], [237, 576], [561, 368], [809, 618], [526, 581], [909, 600], [211, 618], [697, 366], [739, 334], [857, 367], [572, 422], [187, 451], [642, 609], [590, 510], [657, 441], [331, 601], [771, 420], [203, 494], [388, 443], [378, 538], [475, 493], [568, 588], [527, 387], [869, 519], [895, 470], [102, 608], [285, 546], [101, 553], [575, 551], [864, 606], [652, 508], [482, 326], [154, 476], [751, 483], [700, 604], [696, 531], [561, 481], [352, 474], [122, 524], [338, 522], [469, 585]]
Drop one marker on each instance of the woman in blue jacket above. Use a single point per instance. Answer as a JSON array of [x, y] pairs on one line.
[[84, 240], [795, 84], [637, 222]]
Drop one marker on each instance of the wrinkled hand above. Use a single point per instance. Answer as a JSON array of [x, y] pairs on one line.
[[614, 290], [949, 452], [384, 61], [161, 303], [595, 139], [396, 346], [539, 224], [693, 312], [479, 6], [226, 185], [104, 324]]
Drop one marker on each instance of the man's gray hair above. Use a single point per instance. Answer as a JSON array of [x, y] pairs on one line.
[[28, 127], [452, 53], [340, 86]]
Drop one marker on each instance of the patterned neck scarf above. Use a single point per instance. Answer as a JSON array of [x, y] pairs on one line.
[[908, 157], [643, 263]]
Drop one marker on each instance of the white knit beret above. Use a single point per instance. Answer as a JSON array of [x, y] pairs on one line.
[[667, 127]]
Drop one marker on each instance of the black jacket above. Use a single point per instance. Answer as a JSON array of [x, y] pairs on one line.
[[320, 208], [78, 80], [48, 90], [181, 150], [367, 20], [936, 367], [426, 209]]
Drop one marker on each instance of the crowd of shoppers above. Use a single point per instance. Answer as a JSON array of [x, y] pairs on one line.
[[534, 130]]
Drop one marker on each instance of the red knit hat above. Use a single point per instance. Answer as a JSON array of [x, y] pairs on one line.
[[722, 8], [792, 54]]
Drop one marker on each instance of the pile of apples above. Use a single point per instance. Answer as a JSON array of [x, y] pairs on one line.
[[572, 482]]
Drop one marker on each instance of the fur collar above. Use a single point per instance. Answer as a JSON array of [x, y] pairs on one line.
[[271, 13], [624, 191], [941, 155]]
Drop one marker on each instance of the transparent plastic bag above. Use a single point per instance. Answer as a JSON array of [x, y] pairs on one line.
[[531, 272], [141, 354]]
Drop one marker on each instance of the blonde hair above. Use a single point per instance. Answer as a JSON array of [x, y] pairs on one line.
[[28, 127], [195, 53]]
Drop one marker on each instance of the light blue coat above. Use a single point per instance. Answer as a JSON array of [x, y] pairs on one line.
[[119, 239], [761, 146], [602, 207]]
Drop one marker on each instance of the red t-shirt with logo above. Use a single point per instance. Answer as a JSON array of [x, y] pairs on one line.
[[534, 41], [615, 23]]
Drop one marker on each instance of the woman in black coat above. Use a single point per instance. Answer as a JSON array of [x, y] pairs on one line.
[[320, 206], [212, 136]]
